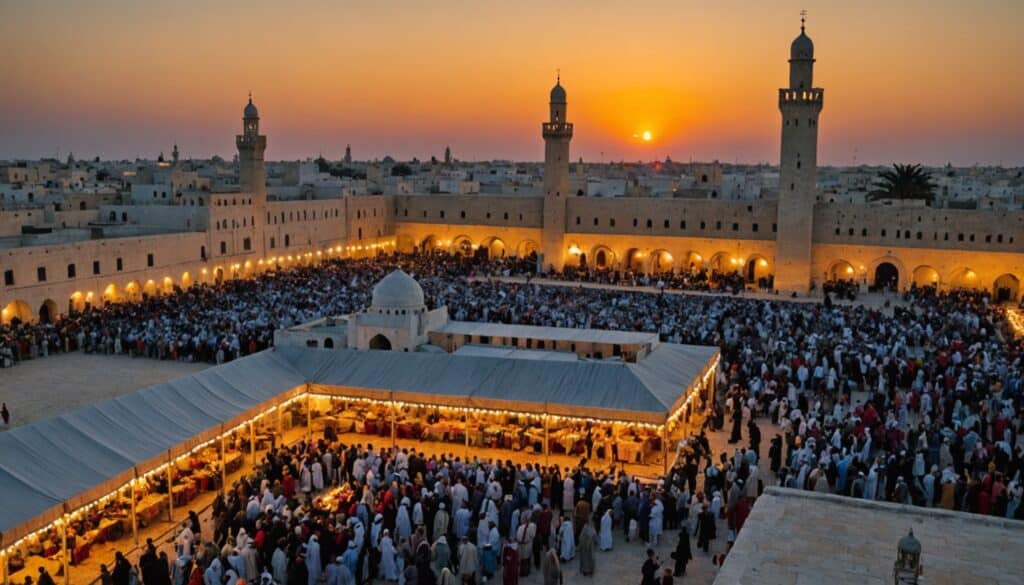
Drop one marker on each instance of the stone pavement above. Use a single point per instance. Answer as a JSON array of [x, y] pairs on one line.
[[45, 387]]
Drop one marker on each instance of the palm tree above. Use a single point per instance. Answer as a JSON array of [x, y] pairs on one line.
[[904, 182]]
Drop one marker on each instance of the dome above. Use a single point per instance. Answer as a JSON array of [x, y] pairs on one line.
[[558, 94], [397, 290], [802, 47], [250, 110], [910, 545]]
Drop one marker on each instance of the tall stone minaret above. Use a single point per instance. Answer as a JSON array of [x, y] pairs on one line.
[[800, 104], [251, 175], [557, 133]]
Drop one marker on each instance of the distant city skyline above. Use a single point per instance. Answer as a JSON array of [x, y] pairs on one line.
[[923, 81]]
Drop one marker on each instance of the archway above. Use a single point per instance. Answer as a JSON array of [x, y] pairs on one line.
[[887, 276], [1006, 288], [168, 285], [662, 261], [380, 342], [111, 294], [76, 303], [48, 311], [462, 245], [404, 243], [963, 278], [328, 343], [841, 270], [149, 289], [720, 263], [186, 280], [635, 259], [494, 246], [430, 244], [693, 262], [132, 291], [218, 275], [527, 248], [16, 310], [757, 268], [925, 276]]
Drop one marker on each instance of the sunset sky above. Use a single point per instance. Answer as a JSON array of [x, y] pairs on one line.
[[925, 81]]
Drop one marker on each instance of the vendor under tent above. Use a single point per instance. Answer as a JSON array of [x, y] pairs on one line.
[[101, 472]]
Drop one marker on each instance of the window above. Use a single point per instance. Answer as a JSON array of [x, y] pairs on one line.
[[149, 259], [407, 213], [95, 266], [775, 227], [635, 222], [223, 247], [837, 231], [506, 215], [273, 243], [919, 235], [360, 236], [666, 224], [462, 214], [41, 273], [577, 220], [864, 232], [754, 227], [120, 264], [735, 227], [682, 224], [703, 225], [649, 224], [999, 239], [202, 255], [442, 214], [960, 237], [8, 277], [988, 239], [71, 270], [850, 232], [288, 238], [718, 225], [883, 233], [247, 244], [595, 221], [611, 222]]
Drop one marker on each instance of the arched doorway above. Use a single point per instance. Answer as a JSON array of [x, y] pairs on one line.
[[328, 343], [840, 270], [720, 263], [462, 246], [494, 247], [693, 262], [218, 275], [76, 303], [963, 278], [48, 311], [887, 276], [1006, 288], [430, 244], [662, 262], [17, 310], [527, 248], [132, 291], [168, 285], [111, 294], [635, 260], [380, 342], [149, 289], [925, 276], [757, 269], [186, 280]]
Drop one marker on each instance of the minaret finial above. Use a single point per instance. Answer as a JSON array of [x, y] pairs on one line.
[[803, 19], [250, 96], [558, 76]]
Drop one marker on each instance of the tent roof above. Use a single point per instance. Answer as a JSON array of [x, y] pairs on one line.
[[79, 456], [551, 333]]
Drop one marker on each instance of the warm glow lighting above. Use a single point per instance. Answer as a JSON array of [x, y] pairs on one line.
[[763, 262], [646, 136], [849, 269], [574, 250]]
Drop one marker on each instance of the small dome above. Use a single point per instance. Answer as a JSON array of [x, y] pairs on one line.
[[397, 290], [910, 545], [250, 110], [558, 94], [802, 48]]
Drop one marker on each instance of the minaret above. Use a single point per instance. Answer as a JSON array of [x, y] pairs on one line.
[[174, 155], [348, 154], [251, 175], [800, 104], [557, 133]]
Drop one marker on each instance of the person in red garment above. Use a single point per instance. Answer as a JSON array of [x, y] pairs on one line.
[[510, 564]]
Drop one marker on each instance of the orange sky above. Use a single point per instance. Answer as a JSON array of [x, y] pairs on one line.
[[917, 81]]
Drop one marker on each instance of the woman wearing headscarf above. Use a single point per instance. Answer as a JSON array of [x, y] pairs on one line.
[[551, 568], [388, 567], [588, 540], [605, 538], [682, 554]]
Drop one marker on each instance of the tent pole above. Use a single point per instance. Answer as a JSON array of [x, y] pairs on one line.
[[67, 554], [309, 417], [170, 489], [664, 447], [135, 517], [252, 441], [223, 465], [547, 448], [394, 420]]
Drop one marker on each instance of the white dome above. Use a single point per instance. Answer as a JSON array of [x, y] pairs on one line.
[[398, 290]]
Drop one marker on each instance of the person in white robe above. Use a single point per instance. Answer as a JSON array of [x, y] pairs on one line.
[[604, 540], [566, 540], [656, 522], [568, 492], [313, 560], [388, 568], [403, 525]]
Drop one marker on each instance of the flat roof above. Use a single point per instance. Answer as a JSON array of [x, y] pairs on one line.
[[507, 352], [552, 333], [796, 537]]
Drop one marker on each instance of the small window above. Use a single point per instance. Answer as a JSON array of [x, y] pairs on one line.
[[702, 225], [506, 215], [754, 227], [636, 222], [735, 227], [666, 224], [71, 270], [462, 214], [8, 277], [149, 259], [247, 244], [41, 273], [120, 264], [849, 232], [611, 222], [959, 237], [883, 233], [718, 225], [288, 238], [864, 232], [649, 224], [577, 220], [919, 235], [837, 231], [595, 221], [223, 247], [775, 227], [999, 239], [442, 214], [202, 253], [273, 242], [95, 266]]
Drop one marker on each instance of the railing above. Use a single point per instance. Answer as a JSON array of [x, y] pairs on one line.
[[793, 96], [557, 128]]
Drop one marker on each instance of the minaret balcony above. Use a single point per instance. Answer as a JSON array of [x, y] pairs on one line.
[[814, 96], [557, 130]]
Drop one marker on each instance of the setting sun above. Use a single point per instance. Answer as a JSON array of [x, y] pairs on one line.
[[646, 135]]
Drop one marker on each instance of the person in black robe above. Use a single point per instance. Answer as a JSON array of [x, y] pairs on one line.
[[737, 421], [650, 569], [705, 530], [682, 555]]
